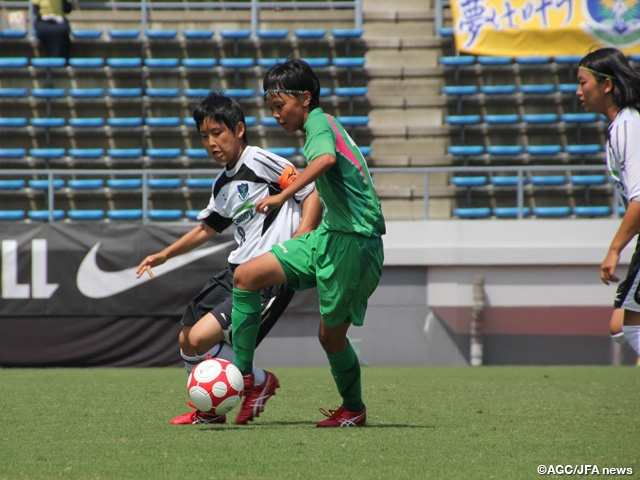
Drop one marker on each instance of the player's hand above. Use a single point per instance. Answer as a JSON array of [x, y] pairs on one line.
[[148, 263], [269, 204], [608, 268]]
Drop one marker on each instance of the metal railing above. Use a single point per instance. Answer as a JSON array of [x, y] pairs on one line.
[[425, 172], [254, 6]]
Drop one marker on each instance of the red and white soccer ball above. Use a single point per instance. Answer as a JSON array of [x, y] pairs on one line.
[[215, 386]]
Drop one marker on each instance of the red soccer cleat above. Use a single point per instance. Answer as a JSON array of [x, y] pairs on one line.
[[343, 418], [249, 382], [195, 416], [253, 403]]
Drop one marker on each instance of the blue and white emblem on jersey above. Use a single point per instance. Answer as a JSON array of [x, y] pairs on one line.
[[243, 190]]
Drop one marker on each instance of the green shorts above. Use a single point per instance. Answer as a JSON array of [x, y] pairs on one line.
[[345, 267]]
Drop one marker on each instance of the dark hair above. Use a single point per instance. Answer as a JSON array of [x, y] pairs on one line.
[[221, 109], [612, 63], [293, 74]]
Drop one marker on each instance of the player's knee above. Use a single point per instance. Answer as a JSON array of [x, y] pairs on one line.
[[332, 343], [242, 279]]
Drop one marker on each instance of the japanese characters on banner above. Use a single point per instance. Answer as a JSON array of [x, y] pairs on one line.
[[545, 27]]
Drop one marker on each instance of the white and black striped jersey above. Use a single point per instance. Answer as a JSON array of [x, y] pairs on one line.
[[258, 174], [623, 153]]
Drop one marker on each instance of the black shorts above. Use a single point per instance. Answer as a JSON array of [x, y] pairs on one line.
[[217, 295], [628, 293]]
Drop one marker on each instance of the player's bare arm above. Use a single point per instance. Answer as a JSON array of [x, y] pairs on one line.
[[190, 240], [318, 167], [311, 214], [628, 229]]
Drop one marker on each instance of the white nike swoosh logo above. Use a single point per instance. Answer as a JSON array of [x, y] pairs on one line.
[[96, 283]]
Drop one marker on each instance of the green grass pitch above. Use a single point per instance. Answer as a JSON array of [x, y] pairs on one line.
[[423, 423]]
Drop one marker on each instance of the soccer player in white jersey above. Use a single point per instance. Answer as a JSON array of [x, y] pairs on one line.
[[609, 86], [249, 174]]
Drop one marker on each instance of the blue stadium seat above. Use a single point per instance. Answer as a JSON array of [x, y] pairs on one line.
[[474, 181], [548, 180], [502, 119], [539, 89], [347, 32], [493, 61], [163, 153], [199, 182], [190, 122], [93, 214], [48, 92], [12, 122], [568, 88], [13, 62], [11, 215], [317, 62], [592, 211], [199, 62], [250, 121], [195, 92], [47, 152], [348, 62], [445, 32], [164, 182], [125, 122], [13, 33], [161, 62], [505, 180], [12, 152], [510, 212], [124, 183], [460, 89], [124, 214], [83, 153], [472, 212], [91, 62], [92, 122], [285, 152], [124, 92], [237, 62], [269, 62], [587, 180], [551, 212], [458, 60], [462, 119], [365, 151], [192, 214], [196, 153], [13, 92], [86, 33], [354, 121], [44, 184], [350, 91], [579, 117], [568, 59], [465, 150], [268, 122], [48, 122], [124, 34], [43, 215], [239, 34], [310, 33], [540, 117], [124, 62], [85, 183], [48, 62], [162, 122], [504, 149], [155, 34], [13, 184], [543, 149], [86, 92], [164, 214], [240, 92], [585, 149], [277, 34], [124, 152], [498, 89], [162, 92], [533, 60], [201, 34]]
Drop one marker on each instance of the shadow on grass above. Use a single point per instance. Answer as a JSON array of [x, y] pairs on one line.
[[309, 424]]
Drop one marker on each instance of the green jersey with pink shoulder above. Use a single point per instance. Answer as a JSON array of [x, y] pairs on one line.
[[349, 201]]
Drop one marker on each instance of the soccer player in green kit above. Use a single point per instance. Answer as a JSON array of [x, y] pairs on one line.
[[343, 257]]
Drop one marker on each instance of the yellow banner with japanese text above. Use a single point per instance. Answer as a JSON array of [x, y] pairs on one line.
[[545, 27]]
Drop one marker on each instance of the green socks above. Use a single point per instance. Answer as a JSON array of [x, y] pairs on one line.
[[345, 369], [245, 323]]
